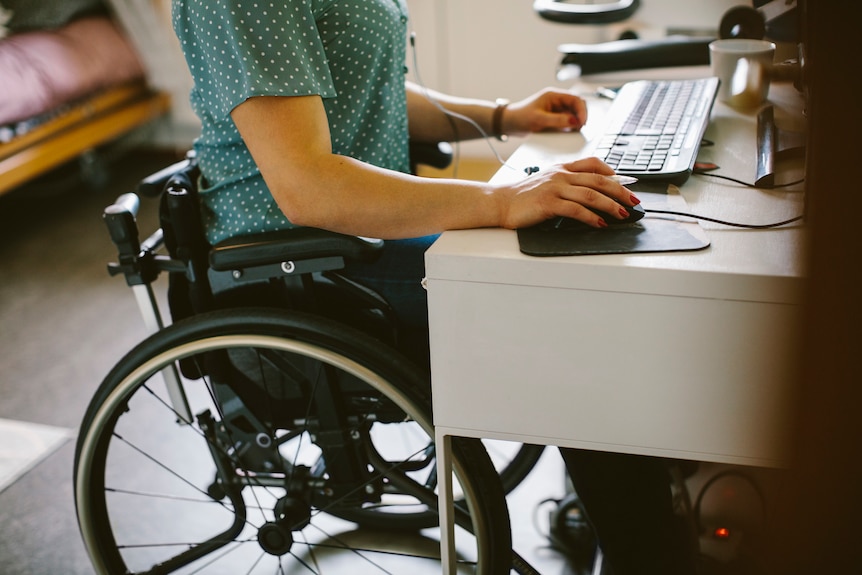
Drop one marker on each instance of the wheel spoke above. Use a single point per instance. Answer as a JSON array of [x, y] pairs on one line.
[[158, 492]]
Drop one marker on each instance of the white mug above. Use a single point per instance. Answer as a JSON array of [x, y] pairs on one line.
[[743, 69]]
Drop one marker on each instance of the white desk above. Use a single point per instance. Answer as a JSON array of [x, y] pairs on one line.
[[681, 355]]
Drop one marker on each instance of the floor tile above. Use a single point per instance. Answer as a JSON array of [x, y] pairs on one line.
[[24, 445]]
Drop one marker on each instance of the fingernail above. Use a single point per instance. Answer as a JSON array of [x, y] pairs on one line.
[[634, 199], [602, 223], [624, 213]]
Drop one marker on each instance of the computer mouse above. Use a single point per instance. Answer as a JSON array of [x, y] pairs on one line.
[[636, 213]]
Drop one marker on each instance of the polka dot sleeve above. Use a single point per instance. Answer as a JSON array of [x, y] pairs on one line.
[[246, 49], [349, 52]]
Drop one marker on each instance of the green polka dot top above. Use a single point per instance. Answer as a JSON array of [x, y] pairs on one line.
[[350, 52]]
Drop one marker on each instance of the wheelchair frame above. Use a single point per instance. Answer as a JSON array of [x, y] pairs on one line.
[[296, 256]]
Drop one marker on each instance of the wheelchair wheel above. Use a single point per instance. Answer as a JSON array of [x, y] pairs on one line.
[[296, 423], [513, 461]]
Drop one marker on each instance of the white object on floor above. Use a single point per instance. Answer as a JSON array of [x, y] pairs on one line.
[[24, 444]]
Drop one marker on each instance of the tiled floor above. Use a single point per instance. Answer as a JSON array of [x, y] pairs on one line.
[[63, 323]]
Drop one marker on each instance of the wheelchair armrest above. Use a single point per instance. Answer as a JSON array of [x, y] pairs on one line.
[[291, 245], [637, 54], [604, 13]]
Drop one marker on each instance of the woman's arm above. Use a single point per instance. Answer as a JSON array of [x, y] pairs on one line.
[[289, 140], [549, 109]]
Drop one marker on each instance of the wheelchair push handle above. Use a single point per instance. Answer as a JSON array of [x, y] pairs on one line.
[[129, 202], [120, 219], [138, 261]]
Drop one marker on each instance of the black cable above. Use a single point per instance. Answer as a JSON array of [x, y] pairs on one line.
[[729, 473], [451, 116], [788, 184], [726, 223], [456, 159], [735, 224], [742, 183]]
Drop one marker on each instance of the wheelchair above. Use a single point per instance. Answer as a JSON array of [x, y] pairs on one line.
[[279, 407]]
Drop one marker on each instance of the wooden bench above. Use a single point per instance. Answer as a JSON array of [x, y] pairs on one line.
[[85, 125]]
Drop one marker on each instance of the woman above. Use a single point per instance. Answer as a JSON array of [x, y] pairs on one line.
[[306, 118]]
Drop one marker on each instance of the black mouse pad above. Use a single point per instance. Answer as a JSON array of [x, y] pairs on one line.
[[650, 234]]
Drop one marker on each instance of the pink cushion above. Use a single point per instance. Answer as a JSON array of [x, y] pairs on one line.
[[41, 70]]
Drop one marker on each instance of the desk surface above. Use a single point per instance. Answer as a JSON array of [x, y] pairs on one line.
[[675, 354], [749, 264]]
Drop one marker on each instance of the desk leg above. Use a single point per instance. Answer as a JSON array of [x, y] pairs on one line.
[[445, 504]]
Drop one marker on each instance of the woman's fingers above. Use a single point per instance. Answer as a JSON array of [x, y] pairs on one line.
[[549, 109], [581, 190], [599, 189]]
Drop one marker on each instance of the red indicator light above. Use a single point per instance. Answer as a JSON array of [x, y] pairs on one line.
[[721, 533]]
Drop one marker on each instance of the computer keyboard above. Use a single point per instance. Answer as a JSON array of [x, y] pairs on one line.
[[655, 128]]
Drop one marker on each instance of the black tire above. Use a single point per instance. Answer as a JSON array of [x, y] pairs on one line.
[[152, 491], [513, 461]]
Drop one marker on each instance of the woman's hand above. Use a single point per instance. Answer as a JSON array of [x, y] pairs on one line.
[[565, 190], [550, 109]]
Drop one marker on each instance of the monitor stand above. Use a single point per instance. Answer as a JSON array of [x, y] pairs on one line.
[[773, 146]]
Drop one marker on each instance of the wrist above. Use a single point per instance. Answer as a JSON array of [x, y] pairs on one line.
[[501, 201], [497, 119]]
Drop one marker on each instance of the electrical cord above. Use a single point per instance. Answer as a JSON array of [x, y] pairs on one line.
[[451, 116], [707, 172], [729, 473], [726, 223], [743, 183], [456, 154], [568, 531], [536, 513]]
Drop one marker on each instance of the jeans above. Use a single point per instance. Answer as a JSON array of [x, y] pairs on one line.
[[397, 276], [627, 499]]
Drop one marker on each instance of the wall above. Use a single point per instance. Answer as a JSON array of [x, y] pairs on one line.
[[474, 48], [148, 25]]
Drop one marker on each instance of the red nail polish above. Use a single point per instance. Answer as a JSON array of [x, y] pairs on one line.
[[602, 223], [634, 199], [624, 213]]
